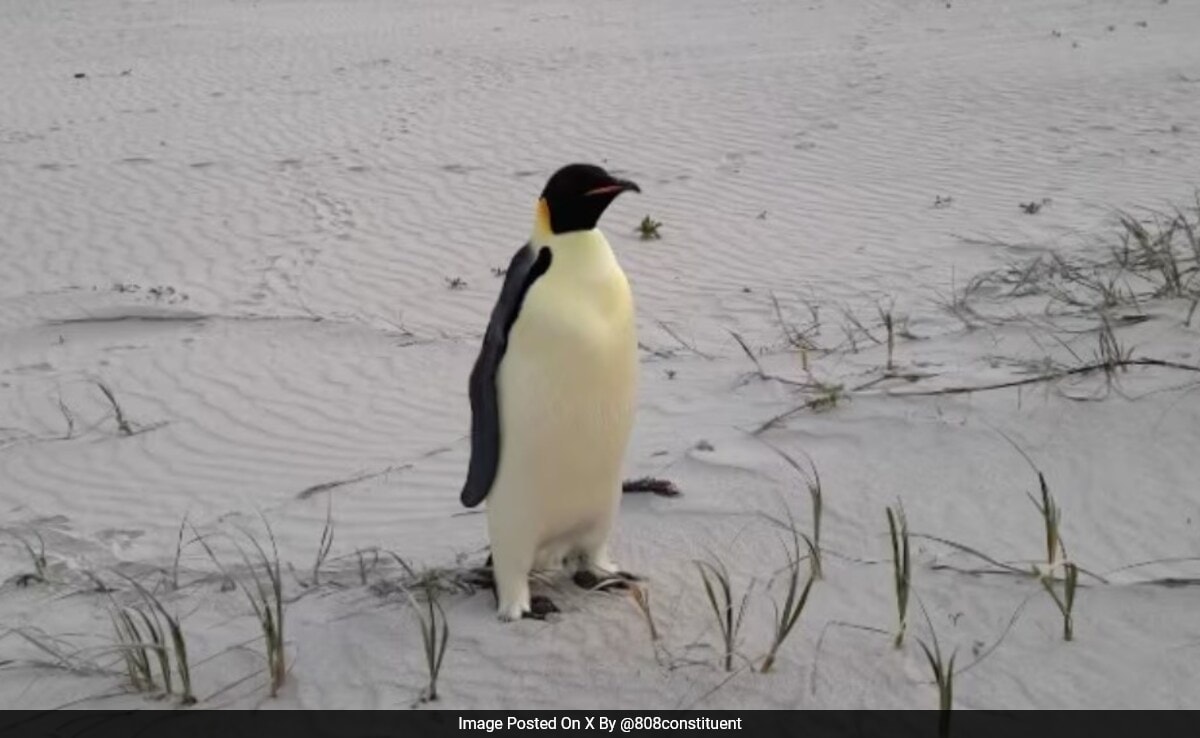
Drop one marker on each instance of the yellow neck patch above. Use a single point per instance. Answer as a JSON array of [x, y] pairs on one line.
[[541, 222]]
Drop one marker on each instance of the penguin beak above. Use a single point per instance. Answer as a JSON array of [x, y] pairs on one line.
[[614, 188]]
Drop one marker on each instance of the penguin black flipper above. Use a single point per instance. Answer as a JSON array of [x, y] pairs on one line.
[[526, 266]]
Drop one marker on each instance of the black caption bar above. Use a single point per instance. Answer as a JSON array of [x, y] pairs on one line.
[[419, 724]]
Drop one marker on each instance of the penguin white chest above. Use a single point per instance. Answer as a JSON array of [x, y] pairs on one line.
[[567, 393]]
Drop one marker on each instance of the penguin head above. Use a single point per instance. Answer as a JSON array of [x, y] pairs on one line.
[[576, 196]]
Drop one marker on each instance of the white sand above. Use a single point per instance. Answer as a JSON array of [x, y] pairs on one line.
[[311, 174]]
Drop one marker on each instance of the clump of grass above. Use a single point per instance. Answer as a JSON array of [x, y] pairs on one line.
[[1157, 256], [817, 569], [37, 559], [124, 427], [787, 616], [901, 569], [741, 342], [363, 566], [1169, 248], [1034, 207], [828, 396], [943, 676], [447, 580], [1111, 354], [179, 645], [265, 598], [325, 545], [641, 598], [435, 635], [1065, 603], [1052, 520], [959, 302], [812, 480], [98, 585], [648, 229], [138, 643], [853, 326], [800, 338], [67, 416], [719, 590], [885, 315], [174, 583], [1095, 285], [61, 654], [135, 648]]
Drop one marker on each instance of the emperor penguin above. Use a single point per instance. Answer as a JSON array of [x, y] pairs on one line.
[[553, 394]]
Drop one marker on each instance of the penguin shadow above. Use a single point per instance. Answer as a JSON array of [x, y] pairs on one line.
[[540, 606]]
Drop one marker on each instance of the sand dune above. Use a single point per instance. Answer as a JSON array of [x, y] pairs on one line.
[[270, 230]]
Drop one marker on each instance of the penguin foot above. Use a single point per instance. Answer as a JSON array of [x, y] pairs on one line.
[[590, 580], [539, 607]]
